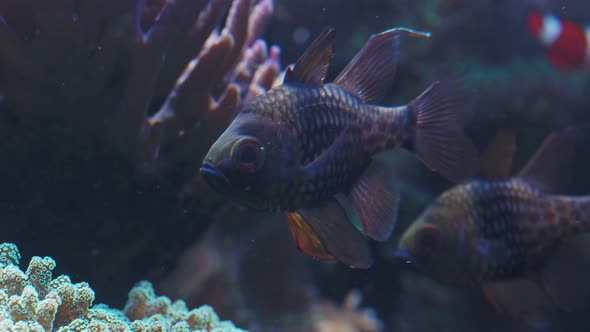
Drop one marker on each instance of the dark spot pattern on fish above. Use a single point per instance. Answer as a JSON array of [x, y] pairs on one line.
[[501, 253]]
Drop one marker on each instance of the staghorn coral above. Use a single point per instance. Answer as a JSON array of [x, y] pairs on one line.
[[106, 110], [141, 75], [33, 301]]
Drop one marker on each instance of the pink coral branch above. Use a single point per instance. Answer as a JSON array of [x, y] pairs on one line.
[[143, 75]]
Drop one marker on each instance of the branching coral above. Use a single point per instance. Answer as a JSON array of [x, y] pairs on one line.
[[152, 78], [348, 318], [107, 108], [33, 301]]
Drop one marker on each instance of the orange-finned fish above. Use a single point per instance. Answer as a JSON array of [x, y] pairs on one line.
[[528, 249], [568, 43], [306, 148]]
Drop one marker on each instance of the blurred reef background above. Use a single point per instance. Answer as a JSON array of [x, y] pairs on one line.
[[108, 107]]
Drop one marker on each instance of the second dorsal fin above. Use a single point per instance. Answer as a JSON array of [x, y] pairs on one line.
[[371, 72], [312, 66], [550, 166]]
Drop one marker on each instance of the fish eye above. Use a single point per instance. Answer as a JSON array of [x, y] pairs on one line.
[[427, 240], [247, 152]]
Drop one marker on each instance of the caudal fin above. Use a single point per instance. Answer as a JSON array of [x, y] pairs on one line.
[[440, 112]]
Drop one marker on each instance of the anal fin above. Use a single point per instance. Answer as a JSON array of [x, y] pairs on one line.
[[326, 232], [306, 238], [522, 299], [376, 198], [566, 274]]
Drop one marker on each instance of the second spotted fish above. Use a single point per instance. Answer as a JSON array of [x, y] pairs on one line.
[[305, 148], [526, 246]]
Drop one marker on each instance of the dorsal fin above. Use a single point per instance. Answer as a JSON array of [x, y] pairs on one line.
[[498, 156], [550, 166], [312, 66], [371, 72]]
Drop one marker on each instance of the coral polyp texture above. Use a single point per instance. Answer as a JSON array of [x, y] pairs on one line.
[[34, 301]]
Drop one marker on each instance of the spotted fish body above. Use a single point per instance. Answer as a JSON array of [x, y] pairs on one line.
[[319, 116], [306, 148], [513, 226], [527, 247]]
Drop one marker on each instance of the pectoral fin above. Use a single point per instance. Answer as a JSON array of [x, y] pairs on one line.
[[325, 232], [377, 200]]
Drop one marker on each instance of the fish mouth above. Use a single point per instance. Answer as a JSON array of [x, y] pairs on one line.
[[215, 177]]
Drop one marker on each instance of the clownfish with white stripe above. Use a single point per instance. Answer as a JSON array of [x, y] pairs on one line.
[[568, 42]]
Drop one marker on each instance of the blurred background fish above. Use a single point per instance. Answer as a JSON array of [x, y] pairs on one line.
[[567, 42], [305, 147], [523, 244]]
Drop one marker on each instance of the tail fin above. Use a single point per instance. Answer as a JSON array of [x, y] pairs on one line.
[[440, 112]]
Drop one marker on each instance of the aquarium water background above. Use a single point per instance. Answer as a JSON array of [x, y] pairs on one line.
[[107, 109]]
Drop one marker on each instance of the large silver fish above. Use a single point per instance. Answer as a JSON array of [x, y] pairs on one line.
[[305, 147]]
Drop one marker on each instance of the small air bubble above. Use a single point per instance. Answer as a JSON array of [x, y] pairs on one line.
[[301, 35]]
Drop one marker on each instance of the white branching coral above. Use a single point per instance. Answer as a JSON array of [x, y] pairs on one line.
[[348, 318], [33, 301]]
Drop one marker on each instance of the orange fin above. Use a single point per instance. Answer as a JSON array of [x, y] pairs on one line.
[[566, 274], [377, 200], [307, 239], [439, 141], [371, 72], [312, 66], [522, 299], [497, 158], [326, 232]]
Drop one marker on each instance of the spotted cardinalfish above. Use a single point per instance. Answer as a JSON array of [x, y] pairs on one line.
[[525, 245], [305, 148]]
